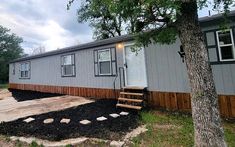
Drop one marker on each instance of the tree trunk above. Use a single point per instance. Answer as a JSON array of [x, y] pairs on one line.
[[208, 130]]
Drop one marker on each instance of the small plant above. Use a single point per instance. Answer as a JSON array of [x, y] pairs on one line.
[[35, 144], [68, 145], [18, 143], [8, 139]]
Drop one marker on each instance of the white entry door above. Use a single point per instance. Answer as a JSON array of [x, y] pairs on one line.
[[135, 70]]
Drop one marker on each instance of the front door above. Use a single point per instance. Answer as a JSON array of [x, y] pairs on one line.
[[135, 70]]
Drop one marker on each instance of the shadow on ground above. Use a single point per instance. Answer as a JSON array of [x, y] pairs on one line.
[[24, 95], [112, 128]]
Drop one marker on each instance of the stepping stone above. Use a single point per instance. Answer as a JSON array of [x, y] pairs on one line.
[[116, 143], [65, 120], [29, 120], [101, 118], [124, 113], [114, 115], [85, 122], [48, 121]]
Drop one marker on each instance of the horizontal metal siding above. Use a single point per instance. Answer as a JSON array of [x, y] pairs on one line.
[[47, 71], [165, 70], [224, 76]]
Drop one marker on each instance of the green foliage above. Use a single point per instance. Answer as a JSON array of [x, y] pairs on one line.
[[230, 136], [3, 86], [173, 129], [151, 20], [105, 23], [68, 145], [18, 143], [35, 144], [10, 49]]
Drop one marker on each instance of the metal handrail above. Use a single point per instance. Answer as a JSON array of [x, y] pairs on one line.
[[114, 85], [122, 77]]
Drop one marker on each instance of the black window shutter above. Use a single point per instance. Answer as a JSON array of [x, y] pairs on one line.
[[96, 69], [114, 61]]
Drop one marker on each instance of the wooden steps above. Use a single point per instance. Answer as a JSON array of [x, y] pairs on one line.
[[129, 106], [130, 93], [132, 98]]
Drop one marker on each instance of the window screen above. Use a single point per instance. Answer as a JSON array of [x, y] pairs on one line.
[[105, 62], [24, 70], [226, 45], [68, 65]]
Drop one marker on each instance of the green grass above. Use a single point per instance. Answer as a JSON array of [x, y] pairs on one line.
[[35, 144], [3, 86], [166, 129]]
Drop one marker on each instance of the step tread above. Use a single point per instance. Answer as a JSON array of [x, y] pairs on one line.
[[132, 93], [130, 100], [134, 87], [129, 106]]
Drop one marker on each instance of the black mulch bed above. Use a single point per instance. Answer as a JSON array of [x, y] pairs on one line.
[[112, 128], [24, 95]]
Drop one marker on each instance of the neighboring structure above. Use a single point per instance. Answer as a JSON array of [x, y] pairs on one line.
[[99, 69]]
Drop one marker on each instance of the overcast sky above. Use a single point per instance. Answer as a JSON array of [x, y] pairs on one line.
[[46, 23]]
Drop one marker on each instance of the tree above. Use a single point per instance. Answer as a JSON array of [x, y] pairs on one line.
[[10, 49], [162, 21], [105, 23], [38, 50]]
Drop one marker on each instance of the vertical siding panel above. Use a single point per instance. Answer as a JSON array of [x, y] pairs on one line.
[[232, 103]]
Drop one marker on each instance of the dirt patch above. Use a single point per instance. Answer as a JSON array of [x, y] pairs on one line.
[[4, 93], [112, 128], [24, 95], [165, 126]]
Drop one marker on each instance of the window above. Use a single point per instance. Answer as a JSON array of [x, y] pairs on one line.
[[104, 62], [24, 70], [68, 65], [226, 45]]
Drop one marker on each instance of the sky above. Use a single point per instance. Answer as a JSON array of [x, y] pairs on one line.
[[47, 23]]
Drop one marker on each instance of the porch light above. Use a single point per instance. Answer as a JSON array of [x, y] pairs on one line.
[[119, 45], [182, 53]]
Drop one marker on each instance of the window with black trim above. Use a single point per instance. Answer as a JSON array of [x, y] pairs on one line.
[[68, 65], [226, 45], [25, 70], [105, 62]]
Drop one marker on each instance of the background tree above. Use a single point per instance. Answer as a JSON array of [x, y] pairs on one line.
[[104, 23], [10, 49], [162, 21], [38, 50]]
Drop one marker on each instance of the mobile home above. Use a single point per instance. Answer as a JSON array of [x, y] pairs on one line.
[[101, 69]]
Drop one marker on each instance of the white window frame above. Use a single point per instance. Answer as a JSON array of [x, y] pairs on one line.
[[219, 46], [105, 61], [24, 77], [72, 64]]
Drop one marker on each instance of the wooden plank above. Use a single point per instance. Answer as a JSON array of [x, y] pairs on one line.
[[232, 103], [131, 93], [167, 101], [129, 106], [134, 88], [223, 106], [130, 100], [173, 102], [161, 99]]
